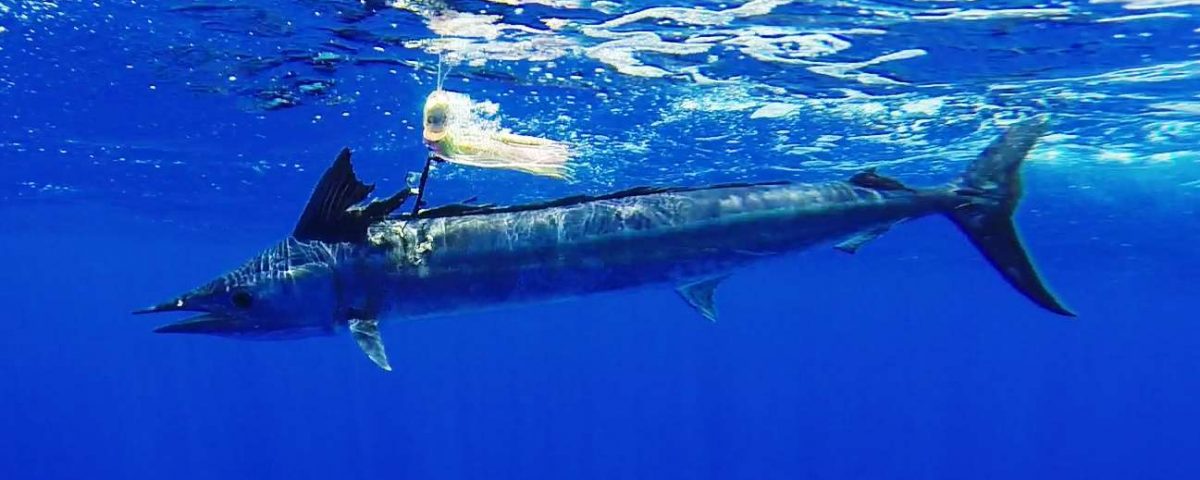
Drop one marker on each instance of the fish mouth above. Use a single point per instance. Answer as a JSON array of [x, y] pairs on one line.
[[229, 327], [208, 323], [223, 325]]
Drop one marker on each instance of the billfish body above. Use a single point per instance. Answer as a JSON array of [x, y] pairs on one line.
[[456, 263], [349, 266]]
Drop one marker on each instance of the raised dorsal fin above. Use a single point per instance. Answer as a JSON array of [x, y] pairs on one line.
[[328, 217], [870, 179]]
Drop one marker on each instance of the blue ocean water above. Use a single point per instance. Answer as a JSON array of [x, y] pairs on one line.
[[150, 146]]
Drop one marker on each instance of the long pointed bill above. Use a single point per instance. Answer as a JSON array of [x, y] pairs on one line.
[[171, 306]]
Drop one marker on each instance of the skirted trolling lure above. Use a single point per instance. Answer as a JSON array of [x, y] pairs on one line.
[[459, 131]]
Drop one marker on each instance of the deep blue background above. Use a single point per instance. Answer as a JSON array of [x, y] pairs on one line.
[[911, 359]]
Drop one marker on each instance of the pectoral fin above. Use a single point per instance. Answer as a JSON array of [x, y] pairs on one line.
[[699, 294], [366, 333]]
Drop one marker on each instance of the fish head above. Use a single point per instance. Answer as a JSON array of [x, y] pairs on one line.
[[285, 292]]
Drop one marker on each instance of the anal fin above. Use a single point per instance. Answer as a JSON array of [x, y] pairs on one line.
[[699, 295], [855, 242], [366, 334]]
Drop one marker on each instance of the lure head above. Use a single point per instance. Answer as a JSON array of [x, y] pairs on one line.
[[285, 292], [436, 115]]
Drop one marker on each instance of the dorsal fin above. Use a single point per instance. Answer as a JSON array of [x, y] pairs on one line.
[[869, 179], [328, 217]]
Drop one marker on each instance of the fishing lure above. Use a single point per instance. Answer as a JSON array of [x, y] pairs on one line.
[[460, 131]]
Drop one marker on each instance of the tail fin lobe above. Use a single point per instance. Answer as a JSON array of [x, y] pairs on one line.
[[991, 188]]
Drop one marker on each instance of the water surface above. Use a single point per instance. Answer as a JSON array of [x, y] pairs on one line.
[[149, 146]]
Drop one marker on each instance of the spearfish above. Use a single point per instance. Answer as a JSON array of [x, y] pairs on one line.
[[347, 265]]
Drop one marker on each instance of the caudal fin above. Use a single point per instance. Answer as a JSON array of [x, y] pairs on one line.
[[990, 189]]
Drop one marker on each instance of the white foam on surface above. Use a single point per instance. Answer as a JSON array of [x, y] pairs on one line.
[[852, 70], [620, 53], [1143, 16], [695, 15], [1150, 4], [740, 90], [767, 46], [775, 110], [977, 14], [568, 4]]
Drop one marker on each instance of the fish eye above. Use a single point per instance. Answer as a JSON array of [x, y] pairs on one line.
[[242, 299]]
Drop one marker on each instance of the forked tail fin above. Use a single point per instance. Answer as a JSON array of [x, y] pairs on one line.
[[991, 188]]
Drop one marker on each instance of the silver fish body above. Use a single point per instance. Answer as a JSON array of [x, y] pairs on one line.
[[427, 267], [347, 265]]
